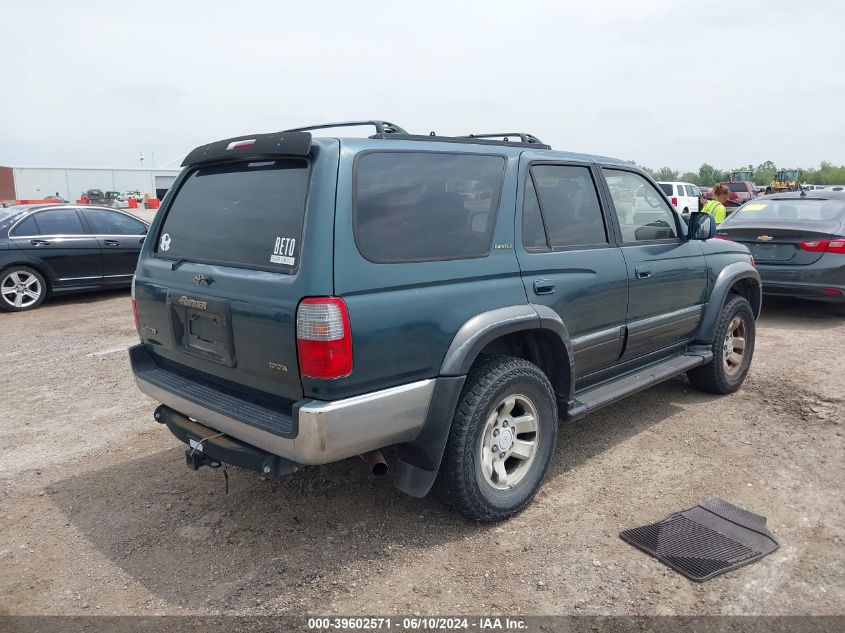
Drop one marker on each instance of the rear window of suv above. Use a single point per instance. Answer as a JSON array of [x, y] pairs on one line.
[[247, 215], [737, 187], [425, 206]]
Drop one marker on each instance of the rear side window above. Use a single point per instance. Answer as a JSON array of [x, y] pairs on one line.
[[27, 227], [690, 192], [667, 188], [737, 187], [247, 215], [59, 222], [425, 206], [569, 205]]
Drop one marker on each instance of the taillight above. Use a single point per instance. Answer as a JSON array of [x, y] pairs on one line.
[[734, 196], [323, 338], [135, 308], [836, 245], [674, 202]]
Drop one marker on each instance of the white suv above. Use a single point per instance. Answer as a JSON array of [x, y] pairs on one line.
[[683, 195]]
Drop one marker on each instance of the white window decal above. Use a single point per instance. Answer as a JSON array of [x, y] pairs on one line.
[[164, 244], [283, 251]]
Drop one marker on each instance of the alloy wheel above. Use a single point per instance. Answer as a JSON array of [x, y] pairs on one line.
[[733, 349], [509, 442], [20, 289]]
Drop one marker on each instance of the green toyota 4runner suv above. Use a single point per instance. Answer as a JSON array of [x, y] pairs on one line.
[[302, 300]]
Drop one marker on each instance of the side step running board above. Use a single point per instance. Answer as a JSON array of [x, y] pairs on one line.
[[605, 393]]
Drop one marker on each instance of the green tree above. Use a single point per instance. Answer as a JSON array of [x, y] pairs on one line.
[[665, 174], [765, 173], [689, 176], [709, 175]]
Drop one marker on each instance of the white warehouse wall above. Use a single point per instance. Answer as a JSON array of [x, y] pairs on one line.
[[40, 182]]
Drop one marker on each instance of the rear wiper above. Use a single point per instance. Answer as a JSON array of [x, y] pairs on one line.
[[177, 263]]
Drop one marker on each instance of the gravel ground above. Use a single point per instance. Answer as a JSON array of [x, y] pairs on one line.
[[98, 514]]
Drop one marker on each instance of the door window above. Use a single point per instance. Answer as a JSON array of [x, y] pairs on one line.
[[111, 223], [643, 213], [59, 222], [690, 192], [561, 208]]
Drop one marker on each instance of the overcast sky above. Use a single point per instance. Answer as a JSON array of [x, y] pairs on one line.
[[669, 82]]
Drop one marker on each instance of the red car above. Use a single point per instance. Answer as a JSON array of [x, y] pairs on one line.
[[741, 190]]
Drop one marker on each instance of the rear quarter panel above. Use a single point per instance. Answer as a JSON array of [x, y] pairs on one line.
[[404, 316]]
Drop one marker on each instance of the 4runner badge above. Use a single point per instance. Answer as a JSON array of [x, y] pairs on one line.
[[193, 303]]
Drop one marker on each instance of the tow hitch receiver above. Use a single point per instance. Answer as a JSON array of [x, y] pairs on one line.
[[208, 447], [196, 460]]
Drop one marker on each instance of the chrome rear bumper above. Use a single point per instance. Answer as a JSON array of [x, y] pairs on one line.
[[327, 430]]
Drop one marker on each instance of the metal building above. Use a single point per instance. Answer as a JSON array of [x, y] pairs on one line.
[[38, 183]]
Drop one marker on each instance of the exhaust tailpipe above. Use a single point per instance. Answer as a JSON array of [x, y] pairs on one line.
[[375, 462]]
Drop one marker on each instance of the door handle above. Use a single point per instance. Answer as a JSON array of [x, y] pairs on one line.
[[544, 286], [642, 273], [39, 242], [111, 242]]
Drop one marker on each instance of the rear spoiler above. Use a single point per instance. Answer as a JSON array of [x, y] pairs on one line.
[[254, 146]]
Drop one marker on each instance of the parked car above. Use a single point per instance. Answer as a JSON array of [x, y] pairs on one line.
[[114, 200], [797, 241], [706, 192], [366, 304], [683, 195], [741, 191], [48, 250], [132, 195], [94, 196]]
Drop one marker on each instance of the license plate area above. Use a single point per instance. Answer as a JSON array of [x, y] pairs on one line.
[[202, 327], [771, 252]]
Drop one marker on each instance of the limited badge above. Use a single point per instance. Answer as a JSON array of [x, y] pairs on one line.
[[164, 244]]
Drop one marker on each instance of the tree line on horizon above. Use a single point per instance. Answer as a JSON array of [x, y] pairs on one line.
[[764, 174]]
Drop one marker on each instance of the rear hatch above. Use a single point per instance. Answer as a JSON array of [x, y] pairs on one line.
[[785, 231], [229, 261]]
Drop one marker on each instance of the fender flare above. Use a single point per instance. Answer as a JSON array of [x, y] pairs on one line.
[[419, 461], [728, 276], [483, 328]]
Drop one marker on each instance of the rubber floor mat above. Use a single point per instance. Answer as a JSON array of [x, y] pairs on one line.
[[713, 537]]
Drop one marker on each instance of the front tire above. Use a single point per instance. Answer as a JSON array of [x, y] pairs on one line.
[[21, 288], [501, 441], [733, 348]]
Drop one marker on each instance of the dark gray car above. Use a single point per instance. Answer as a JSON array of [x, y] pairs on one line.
[[57, 248], [798, 242]]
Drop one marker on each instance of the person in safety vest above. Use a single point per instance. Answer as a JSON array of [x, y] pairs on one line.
[[716, 206]]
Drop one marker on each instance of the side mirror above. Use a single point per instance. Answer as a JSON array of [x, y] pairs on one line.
[[702, 226]]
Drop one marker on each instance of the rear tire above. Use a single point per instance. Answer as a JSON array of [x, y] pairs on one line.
[[21, 288], [733, 349], [501, 441]]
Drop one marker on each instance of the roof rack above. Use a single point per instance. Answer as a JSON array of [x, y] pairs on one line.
[[474, 140], [524, 137], [388, 130], [382, 127]]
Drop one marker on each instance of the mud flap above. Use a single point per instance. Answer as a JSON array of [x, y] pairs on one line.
[[418, 461]]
